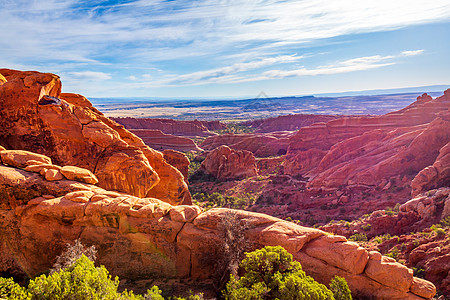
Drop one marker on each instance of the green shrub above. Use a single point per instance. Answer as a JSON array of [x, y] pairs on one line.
[[358, 237], [393, 253], [366, 227], [11, 290], [270, 273], [445, 222], [381, 238], [340, 289], [81, 280]]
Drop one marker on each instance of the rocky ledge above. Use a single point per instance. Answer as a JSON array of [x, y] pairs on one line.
[[145, 237]]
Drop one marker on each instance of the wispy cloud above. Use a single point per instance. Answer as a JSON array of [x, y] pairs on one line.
[[194, 42], [232, 74], [413, 52], [90, 75]]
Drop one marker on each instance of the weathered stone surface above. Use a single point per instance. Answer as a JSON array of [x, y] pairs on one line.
[[287, 123], [172, 127], [178, 160], [360, 285], [390, 273], [260, 144], [78, 174], [184, 213], [21, 158], [35, 116], [423, 288], [160, 141], [53, 175], [336, 251], [367, 150], [225, 163], [433, 176], [142, 237]]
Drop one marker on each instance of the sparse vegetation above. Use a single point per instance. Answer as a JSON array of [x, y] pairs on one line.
[[218, 200], [358, 237], [236, 128], [394, 253], [75, 277], [194, 164]]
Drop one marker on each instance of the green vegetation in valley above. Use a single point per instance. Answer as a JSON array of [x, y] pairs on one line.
[[218, 200], [235, 128]]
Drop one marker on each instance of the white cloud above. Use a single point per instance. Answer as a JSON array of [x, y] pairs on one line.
[[231, 74], [90, 75], [413, 52], [132, 77]]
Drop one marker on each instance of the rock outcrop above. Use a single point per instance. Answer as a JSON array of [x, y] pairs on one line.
[[435, 175], [288, 122], [225, 163], [178, 160], [173, 127], [145, 237], [261, 145], [158, 140], [36, 116], [370, 150]]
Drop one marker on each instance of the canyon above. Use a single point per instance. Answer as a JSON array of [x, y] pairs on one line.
[[68, 172]]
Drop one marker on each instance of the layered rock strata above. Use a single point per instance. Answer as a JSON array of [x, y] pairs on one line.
[[369, 150], [158, 140], [173, 127], [261, 145], [36, 116]]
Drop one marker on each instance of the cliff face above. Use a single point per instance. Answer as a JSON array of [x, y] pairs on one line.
[[173, 127], [145, 237], [261, 145], [367, 150], [288, 123], [36, 116]]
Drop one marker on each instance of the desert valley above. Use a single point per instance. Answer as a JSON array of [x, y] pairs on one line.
[[362, 193]]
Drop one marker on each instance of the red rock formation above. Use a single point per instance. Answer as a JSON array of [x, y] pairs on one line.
[[178, 160], [225, 163], [288, 122], [145, 237], [367, 150], [174, 127], [261, 145], [434, 176], [35, 116], [160, 141]]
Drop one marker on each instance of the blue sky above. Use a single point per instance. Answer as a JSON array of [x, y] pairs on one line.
[[229, 48]]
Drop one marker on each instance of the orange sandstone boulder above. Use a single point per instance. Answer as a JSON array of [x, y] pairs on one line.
[[336, 251], [178, 160], [78, 174], [225, 163], [21, 158], [145, 237], [36, 116]]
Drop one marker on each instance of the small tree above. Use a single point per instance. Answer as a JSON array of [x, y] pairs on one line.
[[71, 254], [340, 289], [270, 273], [232, 249]]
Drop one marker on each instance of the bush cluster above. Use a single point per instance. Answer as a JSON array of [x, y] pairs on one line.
[[218, 200], [270, 273]]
